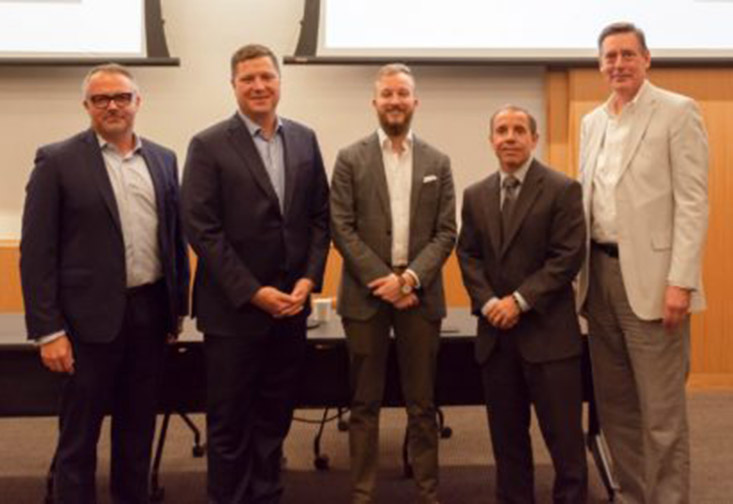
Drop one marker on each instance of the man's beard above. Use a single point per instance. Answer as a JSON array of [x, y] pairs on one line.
[[396, 129]]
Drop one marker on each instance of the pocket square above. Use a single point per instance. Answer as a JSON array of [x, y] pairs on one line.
[[429, 178]]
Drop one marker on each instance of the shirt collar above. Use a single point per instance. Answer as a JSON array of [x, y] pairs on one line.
[[254, 128], [608, 106], [519, 174], [386, 144], [104, 144]]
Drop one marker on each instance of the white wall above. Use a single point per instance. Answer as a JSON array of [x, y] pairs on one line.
[[41, 105]]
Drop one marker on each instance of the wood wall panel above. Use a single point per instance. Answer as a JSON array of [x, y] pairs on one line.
[[11, 299], [556, 130]]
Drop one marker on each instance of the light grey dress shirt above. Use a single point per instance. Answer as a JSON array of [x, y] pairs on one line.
[[272, 153]]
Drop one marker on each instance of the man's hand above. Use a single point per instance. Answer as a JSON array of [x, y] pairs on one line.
[[676, 306], [406, 302], [504, 314], [388, 288], [301, 291], [58, 356], [273, 301]]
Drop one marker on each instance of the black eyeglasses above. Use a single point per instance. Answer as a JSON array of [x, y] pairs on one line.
[[102, 101]]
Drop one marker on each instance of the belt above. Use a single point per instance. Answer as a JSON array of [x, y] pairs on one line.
[[144, 288], [610, 249]]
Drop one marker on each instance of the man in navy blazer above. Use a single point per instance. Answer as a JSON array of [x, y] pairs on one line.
[[105, 282], [255, 202]]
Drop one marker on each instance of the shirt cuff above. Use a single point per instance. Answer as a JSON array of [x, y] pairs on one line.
[[49, 338], [487, 306], [523, 305], [414, 277]]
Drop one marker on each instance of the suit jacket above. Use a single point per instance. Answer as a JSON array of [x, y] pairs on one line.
[[72, 253], [661, 199], [539, 258], [234, 223], [361, 223]]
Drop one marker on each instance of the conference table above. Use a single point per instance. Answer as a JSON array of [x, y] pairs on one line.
[[27, 389]]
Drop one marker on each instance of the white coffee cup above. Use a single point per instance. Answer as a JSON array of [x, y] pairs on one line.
[[322, 309]]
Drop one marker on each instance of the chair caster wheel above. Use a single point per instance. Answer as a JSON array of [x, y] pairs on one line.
[[321, 463], [446, 433], [157, 495], [198, 451], [343, 425]]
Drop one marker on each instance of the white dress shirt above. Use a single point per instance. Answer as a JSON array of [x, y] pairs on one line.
[[609, 168], [398, 171]]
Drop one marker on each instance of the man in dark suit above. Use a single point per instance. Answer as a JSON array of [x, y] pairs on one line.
[[105, 278], [521, 244], [255, 199], [393, 220]]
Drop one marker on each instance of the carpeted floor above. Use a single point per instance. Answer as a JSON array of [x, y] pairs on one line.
[[467, 472]]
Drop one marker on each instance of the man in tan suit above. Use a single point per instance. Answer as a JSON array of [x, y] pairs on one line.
[[393, 221], [643, 164]]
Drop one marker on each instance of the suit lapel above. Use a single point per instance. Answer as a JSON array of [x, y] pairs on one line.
[[492, 210], [99, 173], [419, 166], [242, 142], [597, 132], [530, 189], [375, 163], [646, 107], [290, 171]]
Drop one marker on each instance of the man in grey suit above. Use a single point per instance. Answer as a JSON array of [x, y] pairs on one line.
[[393, 220], [520, 247], [643, 167]]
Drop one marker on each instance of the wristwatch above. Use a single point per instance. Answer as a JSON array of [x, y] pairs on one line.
[[405, 287]]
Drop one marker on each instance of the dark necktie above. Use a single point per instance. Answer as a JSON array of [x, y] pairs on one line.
[[510, 186]]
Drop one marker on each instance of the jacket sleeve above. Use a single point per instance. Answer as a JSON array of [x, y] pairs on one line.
[[320, 235], [180, 250], [689, 161], [565, 250], [39, 249], [471, 259], [362, 262]]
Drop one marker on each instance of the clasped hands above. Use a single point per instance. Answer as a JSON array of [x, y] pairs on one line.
[[280, 304], [504, 313], [389, 289]]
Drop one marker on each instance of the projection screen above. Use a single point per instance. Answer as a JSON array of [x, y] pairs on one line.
[[521, 30], [78, 31]]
